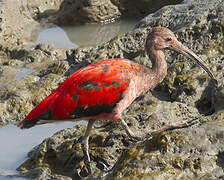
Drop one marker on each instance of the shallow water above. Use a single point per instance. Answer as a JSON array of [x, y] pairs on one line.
[[56, 36], [16, 143], [84, 35], [23, 73]]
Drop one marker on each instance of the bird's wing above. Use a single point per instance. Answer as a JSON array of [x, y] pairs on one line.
[[90, 91]]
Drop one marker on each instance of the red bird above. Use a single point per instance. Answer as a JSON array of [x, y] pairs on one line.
[[102, 91]]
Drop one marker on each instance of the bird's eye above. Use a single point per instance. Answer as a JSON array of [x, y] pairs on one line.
[[168, 39]]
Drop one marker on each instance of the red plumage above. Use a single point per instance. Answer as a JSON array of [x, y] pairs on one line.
[[88, 92]]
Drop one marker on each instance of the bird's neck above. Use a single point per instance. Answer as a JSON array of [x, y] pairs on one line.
[[159, 65], [149, 78]]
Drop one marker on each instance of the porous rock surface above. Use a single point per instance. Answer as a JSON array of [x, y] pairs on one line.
[[195, 152]]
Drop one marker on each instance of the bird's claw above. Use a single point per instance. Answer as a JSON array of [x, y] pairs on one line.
[[88, 166], [100, 163], [85, 171]]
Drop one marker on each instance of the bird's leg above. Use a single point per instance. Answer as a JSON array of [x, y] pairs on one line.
[[129, 132], [85, 144], [176, 125]]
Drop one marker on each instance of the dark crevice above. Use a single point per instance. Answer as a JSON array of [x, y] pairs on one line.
[[220, 159], [205, 104]]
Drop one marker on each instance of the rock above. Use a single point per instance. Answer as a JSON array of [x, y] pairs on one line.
[[141, 8], [13, 24], [92, 11], [86, 11], [18, 20], [183, 154], [190, 153]]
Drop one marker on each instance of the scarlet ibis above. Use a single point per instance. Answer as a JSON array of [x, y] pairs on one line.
[[102, 91]]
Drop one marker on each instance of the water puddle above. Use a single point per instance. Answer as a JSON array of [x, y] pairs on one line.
[[23, 73], [56, 36], [16, 143], [84, 35]]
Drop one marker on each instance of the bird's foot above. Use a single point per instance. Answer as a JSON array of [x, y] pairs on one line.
[[85, 150], [100, 163], [86, 170]]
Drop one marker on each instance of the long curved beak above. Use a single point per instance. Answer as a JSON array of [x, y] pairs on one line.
[[177, 46]]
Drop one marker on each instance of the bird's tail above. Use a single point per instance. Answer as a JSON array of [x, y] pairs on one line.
[[41, 111]]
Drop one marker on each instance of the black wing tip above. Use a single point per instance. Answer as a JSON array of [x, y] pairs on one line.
[[25, 124]]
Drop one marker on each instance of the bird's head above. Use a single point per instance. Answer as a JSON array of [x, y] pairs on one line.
[[161, 38]]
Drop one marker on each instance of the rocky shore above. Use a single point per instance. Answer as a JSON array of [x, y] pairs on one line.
[[195, 152]]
